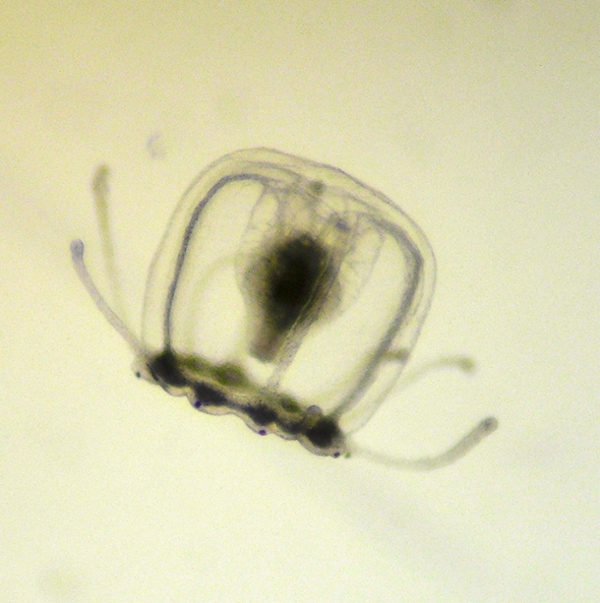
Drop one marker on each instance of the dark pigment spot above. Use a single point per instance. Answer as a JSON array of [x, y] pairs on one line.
[[323, 433], [261, 414], [209, 396], [164, 368]]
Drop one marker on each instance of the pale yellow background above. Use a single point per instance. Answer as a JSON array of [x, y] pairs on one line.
[[482, 119]]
